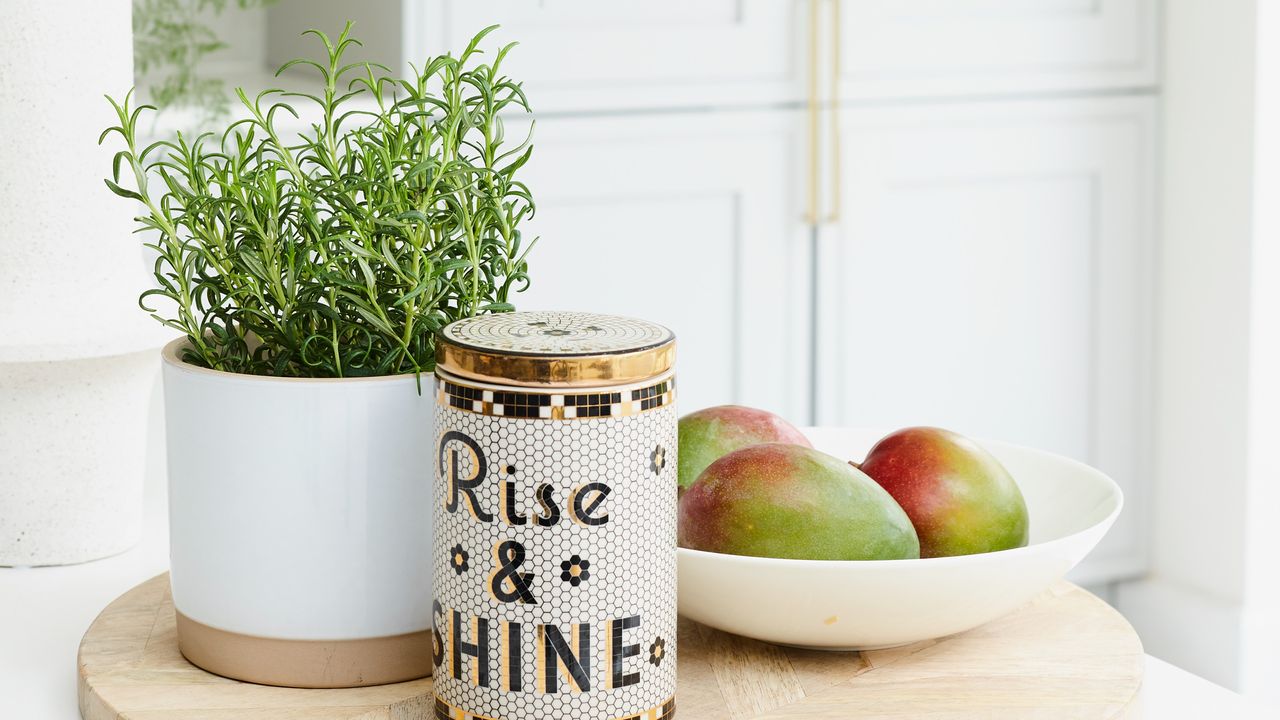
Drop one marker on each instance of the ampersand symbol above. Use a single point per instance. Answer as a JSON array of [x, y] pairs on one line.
[[506, 582]]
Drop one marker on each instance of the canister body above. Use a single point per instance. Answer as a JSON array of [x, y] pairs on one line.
[[554, 561]]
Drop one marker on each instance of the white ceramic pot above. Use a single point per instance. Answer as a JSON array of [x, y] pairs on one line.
[[72, 457], [300, 524]]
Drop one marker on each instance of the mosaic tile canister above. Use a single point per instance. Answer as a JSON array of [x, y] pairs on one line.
[[555, 538]]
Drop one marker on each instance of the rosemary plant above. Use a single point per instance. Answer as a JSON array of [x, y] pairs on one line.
[[339, 252]]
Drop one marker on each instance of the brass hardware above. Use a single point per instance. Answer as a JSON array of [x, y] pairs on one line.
[[833, 112], [531, 370], [815, 105], [542, 348], [811, 209]]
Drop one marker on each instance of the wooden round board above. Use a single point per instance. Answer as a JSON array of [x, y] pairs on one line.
[[1066, 654]]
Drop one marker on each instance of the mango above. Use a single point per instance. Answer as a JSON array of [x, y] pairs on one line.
[[959, 497], [789, 501], [710, 434]]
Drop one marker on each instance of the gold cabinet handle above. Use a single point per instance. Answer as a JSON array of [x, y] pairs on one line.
[[811, 207], [833, 112], [816, 149]]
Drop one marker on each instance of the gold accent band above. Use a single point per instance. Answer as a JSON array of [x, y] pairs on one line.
[[305, 663], [665, 710], [568, 371]]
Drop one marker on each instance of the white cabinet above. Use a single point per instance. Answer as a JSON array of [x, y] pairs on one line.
[[930, 48], [686, 222], [990, 273], [587, 55], [592, 55]]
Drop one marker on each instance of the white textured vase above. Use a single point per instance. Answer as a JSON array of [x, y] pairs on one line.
[[71, 268], [73, 446], [73, 389], [300, 524]]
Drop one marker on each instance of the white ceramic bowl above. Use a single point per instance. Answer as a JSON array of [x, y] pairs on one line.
[[867, 604]]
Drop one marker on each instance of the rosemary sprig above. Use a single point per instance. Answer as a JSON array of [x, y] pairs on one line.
[[341, 251]]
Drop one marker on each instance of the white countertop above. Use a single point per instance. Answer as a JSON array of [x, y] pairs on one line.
[[44, 612]]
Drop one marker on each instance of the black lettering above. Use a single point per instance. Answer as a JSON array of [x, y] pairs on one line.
[[618, 652], [583, 507], [556, 652], [506, 582], [509, 511], [458, 485], [550, 514], [437, 641], [478, 650], [515, 672]]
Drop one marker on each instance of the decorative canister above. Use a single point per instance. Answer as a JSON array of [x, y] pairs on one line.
[[555, 542]]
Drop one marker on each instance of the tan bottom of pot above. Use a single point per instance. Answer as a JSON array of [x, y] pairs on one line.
[[305, 663]]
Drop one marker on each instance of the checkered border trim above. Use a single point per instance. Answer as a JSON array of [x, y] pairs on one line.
[[546, 405], [665, 711]]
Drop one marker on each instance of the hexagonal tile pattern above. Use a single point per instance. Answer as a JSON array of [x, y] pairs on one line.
[[568, 581]]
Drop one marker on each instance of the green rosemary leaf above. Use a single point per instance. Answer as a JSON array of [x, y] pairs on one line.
[[412, 294], [455, 264], [516, 164], [131, 195], [304, 61]]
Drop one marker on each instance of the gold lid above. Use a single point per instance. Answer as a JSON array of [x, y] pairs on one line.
[[555, 348]]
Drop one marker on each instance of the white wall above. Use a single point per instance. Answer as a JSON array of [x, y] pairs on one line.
[[1189, 610], [377, 25], [1260, 657], [244, 32]]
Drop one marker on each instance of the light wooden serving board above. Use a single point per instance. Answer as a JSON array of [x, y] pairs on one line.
[[1065, 655]]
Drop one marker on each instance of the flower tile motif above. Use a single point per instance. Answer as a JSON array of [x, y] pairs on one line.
[[458, 559], [657, 651], [575, 571], [657, 460]]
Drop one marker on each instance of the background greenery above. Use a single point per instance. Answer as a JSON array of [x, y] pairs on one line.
[[170, 39]]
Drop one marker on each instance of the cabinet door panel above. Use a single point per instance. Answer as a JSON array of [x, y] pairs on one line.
[[586, 54], [990, 275], [897, 48], [688, 220]]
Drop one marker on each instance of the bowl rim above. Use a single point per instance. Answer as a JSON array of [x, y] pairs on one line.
[[1115, 493]]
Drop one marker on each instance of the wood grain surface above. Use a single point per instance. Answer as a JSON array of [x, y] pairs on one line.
[[1065, 655]]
